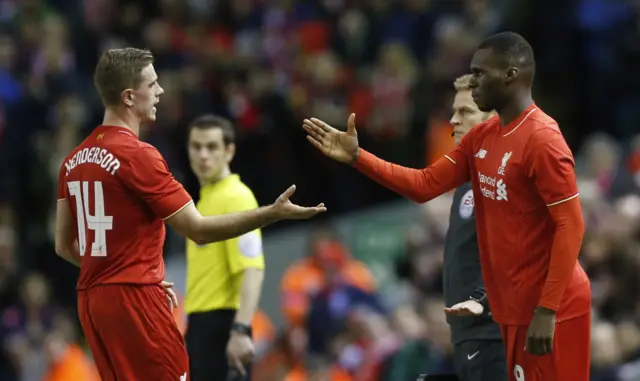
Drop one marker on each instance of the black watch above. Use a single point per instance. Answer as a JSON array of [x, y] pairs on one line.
[[241, 328], [479, 296]]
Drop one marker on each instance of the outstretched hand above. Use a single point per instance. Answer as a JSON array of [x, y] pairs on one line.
[[466, 308], [337, 145], [286, 210]]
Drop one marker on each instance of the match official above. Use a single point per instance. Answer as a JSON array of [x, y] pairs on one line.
[[224, 279], [478, 350]]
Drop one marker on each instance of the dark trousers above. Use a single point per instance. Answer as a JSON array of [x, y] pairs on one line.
[[206, 339], [480, 360]]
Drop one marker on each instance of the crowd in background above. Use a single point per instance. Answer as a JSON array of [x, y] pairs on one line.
[[266, 64]]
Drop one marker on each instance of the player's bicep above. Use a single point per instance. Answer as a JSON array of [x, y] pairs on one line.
[[185, 221], [552, 168], [148, 176]]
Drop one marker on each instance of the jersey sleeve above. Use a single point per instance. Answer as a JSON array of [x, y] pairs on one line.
[[419, 185], [551, 166], [245, 251], [149, 178]]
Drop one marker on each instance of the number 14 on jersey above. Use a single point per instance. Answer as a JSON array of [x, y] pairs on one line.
[[98, 222]]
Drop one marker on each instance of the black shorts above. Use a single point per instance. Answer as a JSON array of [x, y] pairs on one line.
[[480, 360], [207, 337]]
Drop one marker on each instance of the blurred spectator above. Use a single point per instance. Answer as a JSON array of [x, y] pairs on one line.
[[309, 276], [332, 308], [67, 361], [26, 326]]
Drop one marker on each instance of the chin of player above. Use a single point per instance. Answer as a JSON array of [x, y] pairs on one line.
[[151, 116], [481, 105]]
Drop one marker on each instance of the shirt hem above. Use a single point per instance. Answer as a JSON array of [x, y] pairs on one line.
[[177, 211], [564, 200]]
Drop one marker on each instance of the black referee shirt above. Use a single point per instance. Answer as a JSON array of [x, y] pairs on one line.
[[462, 274]]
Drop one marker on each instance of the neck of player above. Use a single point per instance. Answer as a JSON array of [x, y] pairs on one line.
[[224, 173], [515, 107], [126, 119]]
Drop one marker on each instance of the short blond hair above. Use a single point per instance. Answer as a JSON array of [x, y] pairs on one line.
[[119, 69], [463, 83]]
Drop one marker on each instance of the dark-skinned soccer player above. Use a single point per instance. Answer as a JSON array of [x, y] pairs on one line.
[[528, 213]]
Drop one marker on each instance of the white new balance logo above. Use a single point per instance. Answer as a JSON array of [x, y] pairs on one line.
[[481, 154], [183, 377], [501, 190]]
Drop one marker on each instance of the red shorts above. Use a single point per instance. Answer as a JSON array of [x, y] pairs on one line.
[[132, 333], [570, 359]]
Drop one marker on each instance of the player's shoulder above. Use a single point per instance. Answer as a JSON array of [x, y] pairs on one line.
[[542, 128], [488, 126], [539, 121], [477, 134], [129, 146], [482, 130]]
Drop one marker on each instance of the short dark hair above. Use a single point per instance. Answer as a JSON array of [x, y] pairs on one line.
[[513, 47], [119, 69], [209, 121]]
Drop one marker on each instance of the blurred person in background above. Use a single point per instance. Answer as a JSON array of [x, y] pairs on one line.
[[67, 360], [478, 349], [310, 275], [224, 279], [331, 310], [26, 325]]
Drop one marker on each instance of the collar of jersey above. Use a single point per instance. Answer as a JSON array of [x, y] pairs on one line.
[[124, 130], [231, 177], [517, 122]]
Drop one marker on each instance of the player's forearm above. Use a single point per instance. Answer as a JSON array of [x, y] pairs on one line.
[[249, 295], [69, 252], [564, 252], [222, 227], [419, 185]]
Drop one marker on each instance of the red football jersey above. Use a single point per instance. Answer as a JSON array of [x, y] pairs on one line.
[[119, 191], [517, 172]]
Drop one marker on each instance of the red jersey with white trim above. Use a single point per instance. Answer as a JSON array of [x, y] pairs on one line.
[[119, 191], [518, 171]]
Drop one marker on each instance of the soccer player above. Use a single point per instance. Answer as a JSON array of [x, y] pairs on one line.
[[528, 214], [224, 279], [114, 195], [477, 344]]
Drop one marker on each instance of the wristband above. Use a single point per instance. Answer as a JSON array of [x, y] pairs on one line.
[[241, 328], [479, 296]]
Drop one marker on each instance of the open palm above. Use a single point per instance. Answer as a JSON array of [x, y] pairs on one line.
[[287, 210], [337, 145]]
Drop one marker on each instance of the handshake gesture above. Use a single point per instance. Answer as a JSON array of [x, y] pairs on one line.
[[337, 145], [284, 209]]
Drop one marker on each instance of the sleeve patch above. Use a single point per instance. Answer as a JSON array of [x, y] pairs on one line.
[[250, 245]]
